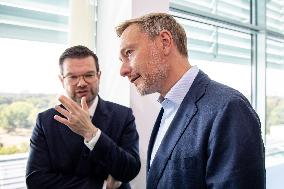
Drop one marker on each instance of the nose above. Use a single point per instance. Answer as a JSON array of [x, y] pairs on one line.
[[81, 81], [125, 69]]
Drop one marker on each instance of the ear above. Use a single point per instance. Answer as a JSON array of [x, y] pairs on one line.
[[61, 80], [167, 41], [99, 74]]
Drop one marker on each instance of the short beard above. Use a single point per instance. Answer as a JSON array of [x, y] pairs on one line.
[[157, 74], [94, 93], [154, 80]]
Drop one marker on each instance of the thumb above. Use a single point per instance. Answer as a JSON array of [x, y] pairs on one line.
[[84, 104]]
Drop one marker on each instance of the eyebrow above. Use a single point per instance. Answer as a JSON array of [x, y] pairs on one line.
[[122, 54], [89, 72], [131, 45], [122, 51]]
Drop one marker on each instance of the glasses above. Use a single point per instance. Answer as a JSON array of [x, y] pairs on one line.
[[74, 79]]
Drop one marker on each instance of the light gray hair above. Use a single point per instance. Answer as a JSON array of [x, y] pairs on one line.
[[152, 24]]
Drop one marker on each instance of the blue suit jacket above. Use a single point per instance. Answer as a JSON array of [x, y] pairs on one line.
[[214, 141], [60, 159]]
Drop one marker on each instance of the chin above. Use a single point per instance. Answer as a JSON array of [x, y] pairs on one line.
[[77, 100], [144, 91]]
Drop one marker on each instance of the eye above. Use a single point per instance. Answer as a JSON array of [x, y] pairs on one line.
[[89, 75], [72, 77], [128, 53]]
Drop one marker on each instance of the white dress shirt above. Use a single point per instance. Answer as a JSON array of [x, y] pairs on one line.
[[171, 104], [91, 144]]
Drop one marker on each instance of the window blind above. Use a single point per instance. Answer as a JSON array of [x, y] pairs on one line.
[[214, 43], [36, 20], [275, 15], [239, 10], [275, 53]]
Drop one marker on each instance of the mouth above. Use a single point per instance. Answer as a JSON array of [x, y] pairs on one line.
[[133, 79], [82, 93]]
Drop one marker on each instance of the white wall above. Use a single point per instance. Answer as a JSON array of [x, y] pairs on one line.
[[82, 23], [145, 108], [113, 86]]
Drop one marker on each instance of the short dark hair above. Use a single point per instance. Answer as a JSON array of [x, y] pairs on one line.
[[78, 51]]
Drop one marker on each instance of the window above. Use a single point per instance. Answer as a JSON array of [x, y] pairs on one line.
[[228, 39], [238, 10], [33, 34], [34, 20], [275, 102], [275, 13], [274, 128], [222, 53]]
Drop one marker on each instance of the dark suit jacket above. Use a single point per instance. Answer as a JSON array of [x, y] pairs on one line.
[[60, 159], [214, 141]]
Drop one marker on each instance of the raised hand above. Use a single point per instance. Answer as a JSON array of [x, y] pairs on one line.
[[76, 117]]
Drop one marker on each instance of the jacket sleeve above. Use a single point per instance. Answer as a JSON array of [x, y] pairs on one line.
[[38, 171], [235, 149], [121, 160]]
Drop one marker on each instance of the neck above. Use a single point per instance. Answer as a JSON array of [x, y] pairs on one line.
[[177, 68], [90, 103]]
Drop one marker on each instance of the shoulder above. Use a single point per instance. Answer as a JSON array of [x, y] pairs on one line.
[[217, 97], [115, 114], [46, 118], [47, 113], [111, 106], [206, 90], [224, 93]]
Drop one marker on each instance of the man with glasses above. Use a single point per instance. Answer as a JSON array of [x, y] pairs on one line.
[[85, 140]]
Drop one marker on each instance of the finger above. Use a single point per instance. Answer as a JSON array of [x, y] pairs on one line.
[[84, 104], [62, 111], [69, 104], [109, 182], [112, 182], [65, 102], [61, 120]]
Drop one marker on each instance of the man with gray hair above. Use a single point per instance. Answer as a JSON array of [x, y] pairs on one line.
[[207, 135]]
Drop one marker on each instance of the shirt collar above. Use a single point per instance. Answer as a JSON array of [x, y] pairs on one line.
[[93, 106], [180, 89]]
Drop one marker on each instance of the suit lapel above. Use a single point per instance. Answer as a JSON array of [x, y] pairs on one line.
[[102, 116], [177, 127], [184, 115], [100, 120], [153, 137], [72, 142]]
